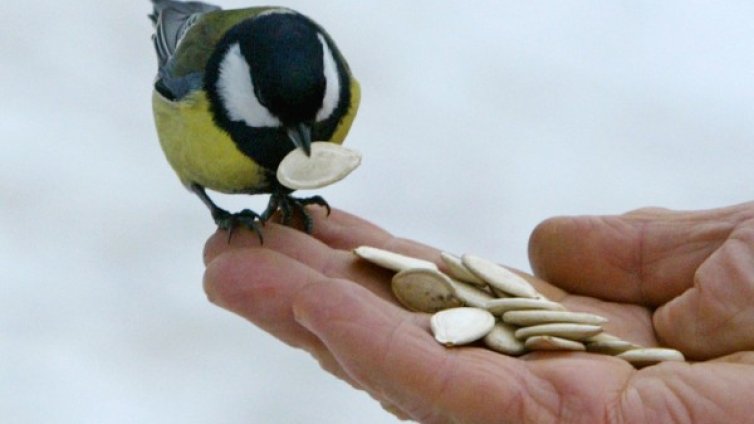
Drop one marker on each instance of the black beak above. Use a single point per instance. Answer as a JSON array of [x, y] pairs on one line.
[[301, 136]]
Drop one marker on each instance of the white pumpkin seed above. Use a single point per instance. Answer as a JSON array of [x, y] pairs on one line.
[[651, 355], [459, 326], [564, 330], [601, 337], [610, 347], [545, 325], [499, 277], [424, 290], [391, 260], [327, 164], [502, 339], [471, 295], [553, 343], [501, 306], [534, 317], [459, 271], [501, 294]]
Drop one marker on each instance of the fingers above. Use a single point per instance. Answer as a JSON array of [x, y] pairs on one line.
[[339, 230], [309, 251], [384, 348], [742, 358], [697, 268], [390, 353], [710, 392], [342, 230], [716, 315], [345, 231], [647, 256], [248, 283], [302, 290], [329, 250], [259, 285], [357, 336]]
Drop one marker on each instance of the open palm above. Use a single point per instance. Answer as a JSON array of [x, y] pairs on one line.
[[685, 279]]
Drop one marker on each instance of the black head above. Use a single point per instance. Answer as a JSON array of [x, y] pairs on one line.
[[274, 79], [285, 55]]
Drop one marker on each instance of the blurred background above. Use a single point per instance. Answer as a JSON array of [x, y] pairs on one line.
[[477, 122]]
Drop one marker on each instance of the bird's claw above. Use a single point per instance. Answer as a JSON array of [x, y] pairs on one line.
[[289, 205], [247, 218]]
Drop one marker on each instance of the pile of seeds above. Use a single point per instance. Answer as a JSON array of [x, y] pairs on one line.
[[480, 300]]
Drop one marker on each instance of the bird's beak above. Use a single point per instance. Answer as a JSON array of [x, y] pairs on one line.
[[301, 136]]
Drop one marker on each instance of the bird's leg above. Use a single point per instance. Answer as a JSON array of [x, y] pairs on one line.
[[229, 221], [288, 205]]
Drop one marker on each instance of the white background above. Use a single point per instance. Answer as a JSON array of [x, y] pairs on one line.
[[477, 122]]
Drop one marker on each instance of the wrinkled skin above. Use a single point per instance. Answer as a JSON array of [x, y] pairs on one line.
[[680, 279]]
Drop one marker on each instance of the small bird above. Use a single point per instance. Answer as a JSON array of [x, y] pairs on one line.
[[236, 91]]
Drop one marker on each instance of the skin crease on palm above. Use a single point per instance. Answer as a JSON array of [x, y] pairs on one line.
[[678, 279]]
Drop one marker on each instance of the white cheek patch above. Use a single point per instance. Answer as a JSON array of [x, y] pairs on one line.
[[236, 89], [332, 89]]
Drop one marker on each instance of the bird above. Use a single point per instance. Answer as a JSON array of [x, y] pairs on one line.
[[237, 90]]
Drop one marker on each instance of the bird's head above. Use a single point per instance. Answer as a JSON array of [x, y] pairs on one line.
[[275, 71]]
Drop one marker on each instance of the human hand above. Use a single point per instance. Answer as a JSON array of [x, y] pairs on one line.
[[312, 293], [694, 271]]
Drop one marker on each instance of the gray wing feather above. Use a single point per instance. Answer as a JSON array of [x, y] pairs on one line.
[[175, 88], [172, 19]]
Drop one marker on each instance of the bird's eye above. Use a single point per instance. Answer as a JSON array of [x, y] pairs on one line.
[[238, 94], [332, 81]]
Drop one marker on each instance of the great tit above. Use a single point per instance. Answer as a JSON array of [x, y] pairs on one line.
[[237, 90]]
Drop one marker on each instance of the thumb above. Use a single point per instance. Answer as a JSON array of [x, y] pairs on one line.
[[715, 316], [648, 256], [696, 267]]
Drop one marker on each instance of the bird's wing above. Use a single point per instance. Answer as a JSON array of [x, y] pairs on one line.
[[185, 36], [172, 20]]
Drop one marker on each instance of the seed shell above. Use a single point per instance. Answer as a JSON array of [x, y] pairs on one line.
[[499, 277], [471, 295], [459, 271], [564, 330], [502, 339], [553, 343], [424, 290], [501, 306], [391, 260], [327, 164], [650, 356], [459, 326], [535, 317], [610, 347], [601, 337]]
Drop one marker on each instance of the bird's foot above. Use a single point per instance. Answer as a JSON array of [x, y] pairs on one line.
[[230, 221], [289, 205]]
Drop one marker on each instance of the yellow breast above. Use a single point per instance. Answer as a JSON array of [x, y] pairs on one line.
[[198, 150]]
